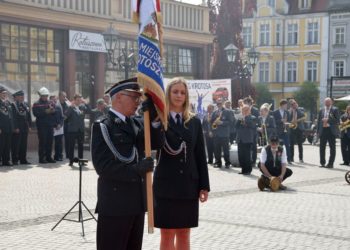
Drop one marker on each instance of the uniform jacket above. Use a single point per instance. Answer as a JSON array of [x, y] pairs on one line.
[[300, 114], [223, 130], [22, 118], [246, 130], [206, 125], [44, 119], [120, 190], [346, 132], [182, 176], [270, 125], [280, 127], [333, 120], [75, 118], [6, 117]]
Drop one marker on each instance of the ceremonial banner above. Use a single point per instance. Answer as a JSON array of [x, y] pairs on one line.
[[150, 76]]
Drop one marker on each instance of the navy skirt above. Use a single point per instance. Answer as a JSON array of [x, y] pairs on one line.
[[175, 213]]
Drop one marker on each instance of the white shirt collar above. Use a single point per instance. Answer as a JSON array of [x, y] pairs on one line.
[[173, 115], [121, 116]]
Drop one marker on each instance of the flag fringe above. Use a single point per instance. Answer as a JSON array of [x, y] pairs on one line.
[[160, 32]]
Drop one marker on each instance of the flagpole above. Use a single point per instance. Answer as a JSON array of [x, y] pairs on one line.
[[149, 189]]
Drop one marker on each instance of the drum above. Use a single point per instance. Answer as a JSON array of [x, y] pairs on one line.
[[275, 183], [234, 156]]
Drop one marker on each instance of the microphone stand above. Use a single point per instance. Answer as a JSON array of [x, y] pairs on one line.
[[80, 203]]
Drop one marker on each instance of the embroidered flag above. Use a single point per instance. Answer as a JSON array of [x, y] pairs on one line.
[[150, 72]]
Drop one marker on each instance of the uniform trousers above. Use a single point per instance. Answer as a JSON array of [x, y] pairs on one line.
[[244, 157], [5, 145], [45, 136], [19, 146], [277, 171], [345, 149], [221, 143], [325, 137], [58, 147], [120, 232], [72, 138], [209, 142], [296, 137], [284, 141]]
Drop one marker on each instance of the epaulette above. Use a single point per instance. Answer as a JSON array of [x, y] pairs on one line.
[[100, 120]]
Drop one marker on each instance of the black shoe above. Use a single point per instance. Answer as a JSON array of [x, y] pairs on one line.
[[210, 162], [329, 166], [7, 164], [70, 164], [290, 163], [43, 161], [344, 164], [216, 165], [15, 163], [25, 162], [322, 166], [51, 161], [58, 159]]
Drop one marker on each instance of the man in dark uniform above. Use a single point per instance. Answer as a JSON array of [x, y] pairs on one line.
[[117, 149], [44, 111], [254, 112], [273, 161], [228, 106], [220, 123], [328, 131], [246, 130], [22, 124], [297, 117], [281, 118], [208, 133], [65, 103], [100, 110], [345, 137], [6, 127], [75, 116]]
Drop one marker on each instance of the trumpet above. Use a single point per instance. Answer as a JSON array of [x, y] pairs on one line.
[[216, 122], [344, 125]]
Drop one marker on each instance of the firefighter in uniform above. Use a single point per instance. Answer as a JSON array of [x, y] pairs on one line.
[[6, 127], [117, 148], [22, 124]]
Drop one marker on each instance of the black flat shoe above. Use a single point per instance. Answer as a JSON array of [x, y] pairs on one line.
[[43, 161], [329, 166], [7, 164], [51, 161], [25, 162], [344, 164]]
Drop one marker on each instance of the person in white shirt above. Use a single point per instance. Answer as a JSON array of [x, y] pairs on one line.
[[273, 162]]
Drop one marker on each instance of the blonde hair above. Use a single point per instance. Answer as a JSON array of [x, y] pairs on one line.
[[186, 113]]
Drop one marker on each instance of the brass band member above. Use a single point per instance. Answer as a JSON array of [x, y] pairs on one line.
[[117, 149], [246, 130], [273, 161], [181, 176], [281, 116], [345, 136], [22, 124], [328, 130], [220, 123], [297, 117], [228, 106], [208, 133], [266, 124], [6, 127], [255, 112]]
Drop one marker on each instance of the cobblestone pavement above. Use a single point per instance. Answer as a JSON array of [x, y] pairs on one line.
[[312, 214]]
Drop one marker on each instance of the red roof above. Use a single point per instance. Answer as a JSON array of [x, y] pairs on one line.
[[316, 6]]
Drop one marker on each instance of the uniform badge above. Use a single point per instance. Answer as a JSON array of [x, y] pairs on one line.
[[117, 120]]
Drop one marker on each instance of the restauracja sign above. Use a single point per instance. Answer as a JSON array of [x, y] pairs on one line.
[[79, 40]]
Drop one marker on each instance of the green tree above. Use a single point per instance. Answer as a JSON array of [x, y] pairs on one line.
[[307, 97], [263, 94]]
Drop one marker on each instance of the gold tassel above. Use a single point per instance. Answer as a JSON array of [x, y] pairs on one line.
[[135, 17]]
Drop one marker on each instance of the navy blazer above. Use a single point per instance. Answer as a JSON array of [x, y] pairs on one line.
[[246, 129], [120, 189], [280, 127], [270, 125], [333, 120], [182, 176], [75, 120], [223, 130], [300, 114]]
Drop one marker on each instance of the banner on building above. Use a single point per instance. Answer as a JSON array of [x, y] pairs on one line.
[[340, 86], [205, 92], [86, 41]]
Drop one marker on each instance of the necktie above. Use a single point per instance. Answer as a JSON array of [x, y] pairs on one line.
[[178, 120]]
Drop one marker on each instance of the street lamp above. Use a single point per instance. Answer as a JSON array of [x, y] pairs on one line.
[[126, 60]]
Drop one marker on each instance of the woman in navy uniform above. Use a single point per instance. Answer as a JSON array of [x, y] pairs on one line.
[[181, 176], [6, 127], [117, 149]]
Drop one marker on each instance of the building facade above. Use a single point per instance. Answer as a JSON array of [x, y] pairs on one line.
[[292, 38], [36, 44]]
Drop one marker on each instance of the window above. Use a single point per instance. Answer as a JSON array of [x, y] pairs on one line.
[[291, 71], [247, 36], [311, 71], [312, 33], [278, 72], [263, 72], [264, 34], [271, 3], [304, 4], [185, 60], [278, 34], [293, 34], [339, 68], [339, 35]]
